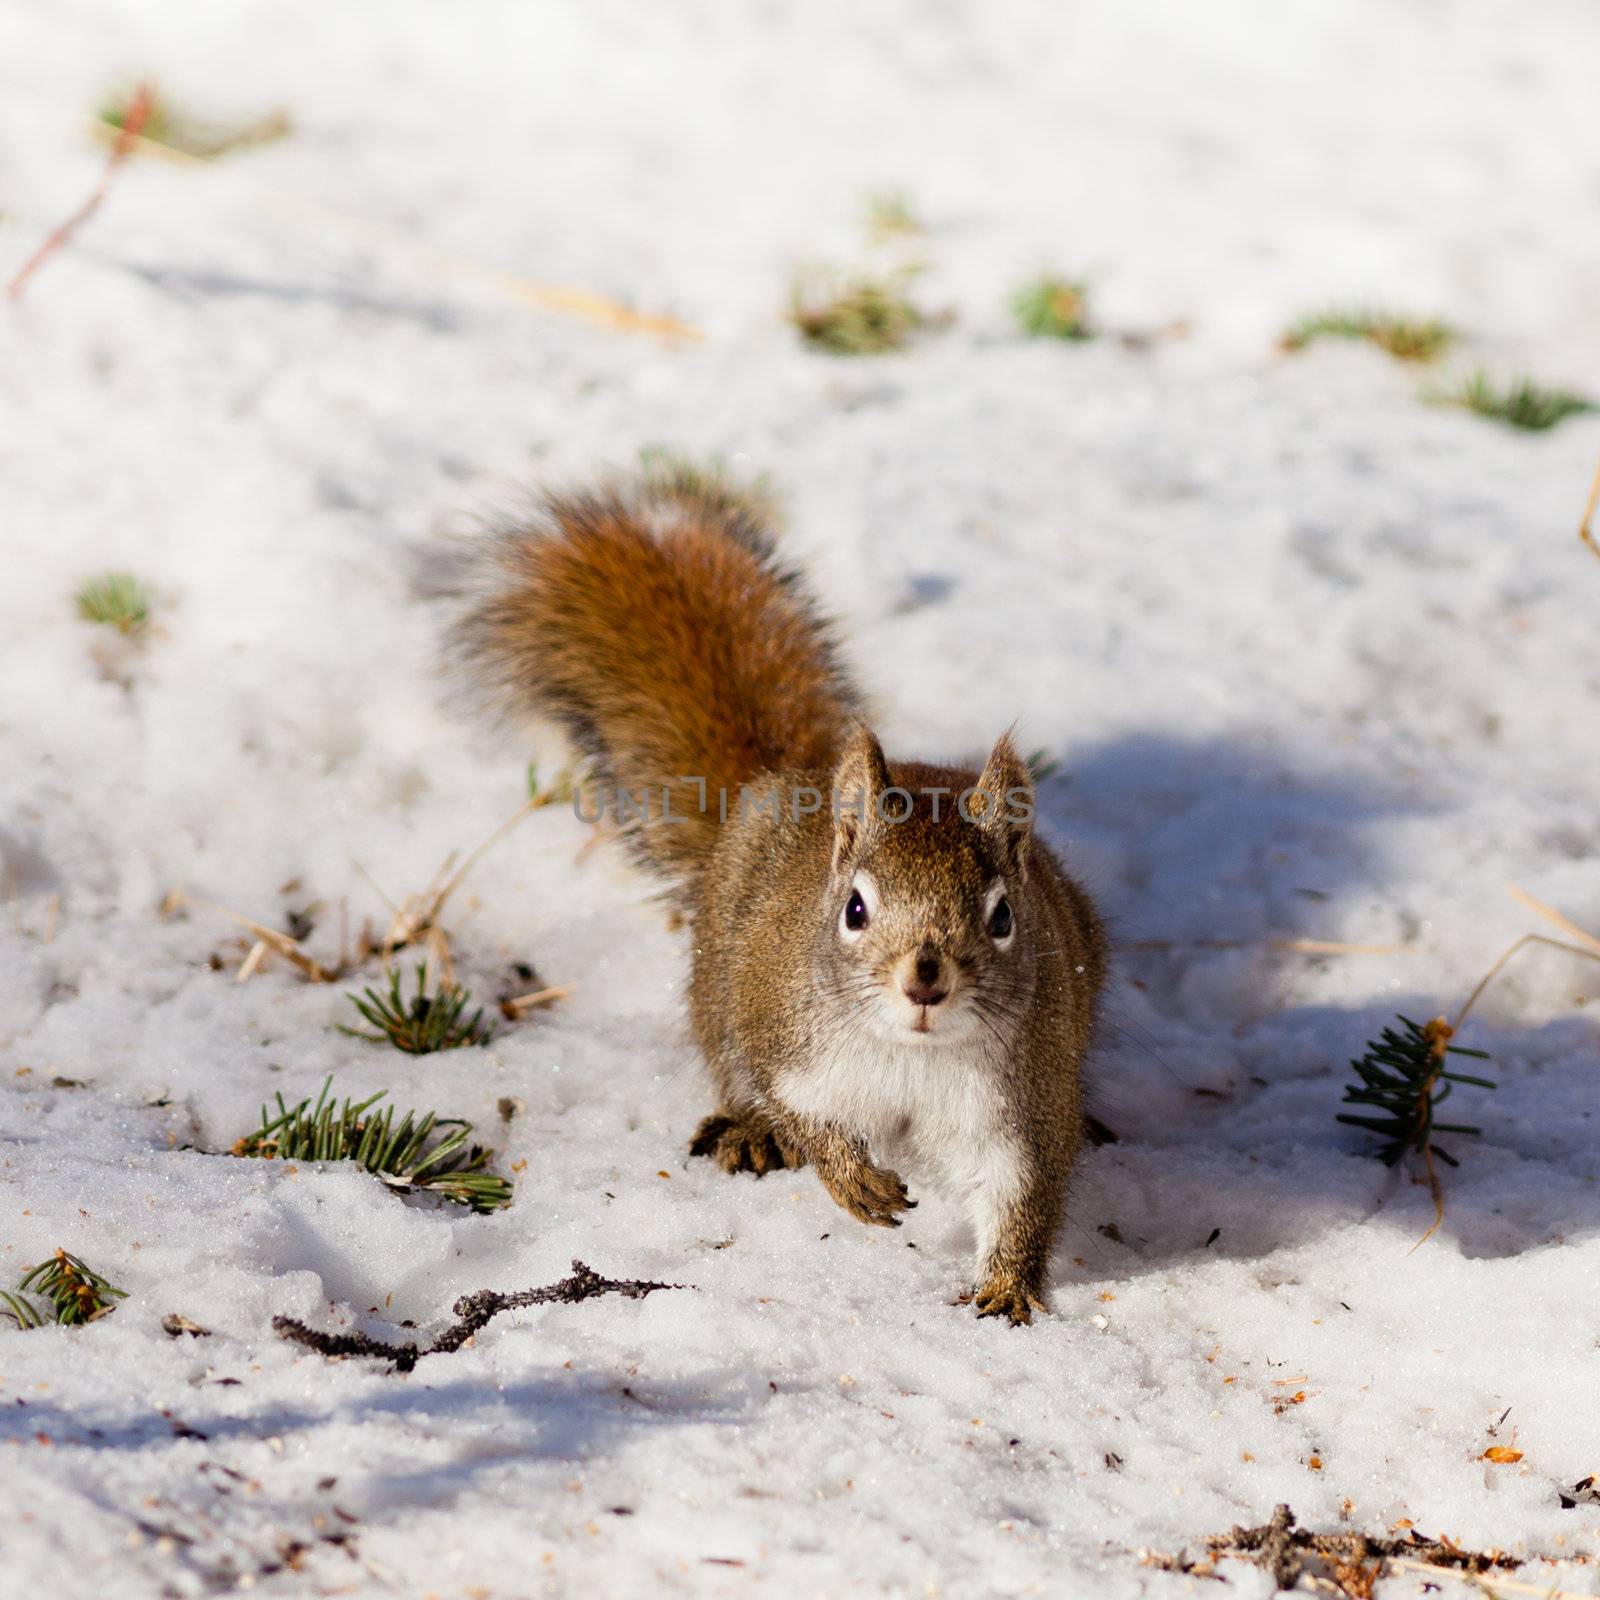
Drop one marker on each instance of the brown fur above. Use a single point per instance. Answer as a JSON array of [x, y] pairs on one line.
[[671, 644], [663, 634]]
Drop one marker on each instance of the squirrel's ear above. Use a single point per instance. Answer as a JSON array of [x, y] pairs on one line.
[[859, 778], [1007, 807]]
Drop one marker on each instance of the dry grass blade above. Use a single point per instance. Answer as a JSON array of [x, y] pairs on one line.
[[517, 1006], [416, 919], [1502, 1584], [560, 298], [1586, 527], [134, 119], [1550, 914], [272, 938]]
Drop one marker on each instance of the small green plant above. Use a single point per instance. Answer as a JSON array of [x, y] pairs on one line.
[[1052, 308], [671, 476], [397, 1152], [165, 124], [1404, 1080], [1405, 338], [116, 599], [864, 316], [1523, 404], [890, 215], [75, 1292], [1042, 765], [425, 1023]]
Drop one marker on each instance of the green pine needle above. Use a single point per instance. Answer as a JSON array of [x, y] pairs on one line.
[[863, 316], [1052, 308], [1404, 1081], [425, 1023], [1405, 338], [116, 599], [76, 1294], [1523, 404], [22, 1311], [398, 1152]]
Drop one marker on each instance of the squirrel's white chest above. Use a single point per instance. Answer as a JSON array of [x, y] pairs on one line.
[[941, 1107]]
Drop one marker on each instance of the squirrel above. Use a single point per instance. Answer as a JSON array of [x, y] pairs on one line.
[[885, 955]]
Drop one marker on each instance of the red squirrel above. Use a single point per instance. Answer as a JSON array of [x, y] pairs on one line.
[[887, 961]]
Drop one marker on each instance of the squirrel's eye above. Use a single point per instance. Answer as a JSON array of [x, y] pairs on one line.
[[1000, 919], [855, 912]]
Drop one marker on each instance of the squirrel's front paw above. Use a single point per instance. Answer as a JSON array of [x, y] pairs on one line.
[[1005, 1296], [868, 1193], [743, 1144]]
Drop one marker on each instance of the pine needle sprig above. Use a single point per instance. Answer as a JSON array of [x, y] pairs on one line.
[[1524, 404], [862, 316], [76, 1293], [397, 1151], [1052, 307], [116, 600], [1404, 1078], [425, 1023], [1420, 339]]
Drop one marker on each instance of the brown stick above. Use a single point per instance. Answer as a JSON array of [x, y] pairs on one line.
[[133, 121], [473, 1312]]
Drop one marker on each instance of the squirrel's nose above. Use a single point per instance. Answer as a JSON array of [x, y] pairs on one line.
[[924, 990]]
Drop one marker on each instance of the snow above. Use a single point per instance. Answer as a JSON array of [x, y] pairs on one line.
[[1317, 658]]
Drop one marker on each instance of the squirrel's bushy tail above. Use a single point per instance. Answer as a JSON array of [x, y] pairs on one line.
[[657, 626]]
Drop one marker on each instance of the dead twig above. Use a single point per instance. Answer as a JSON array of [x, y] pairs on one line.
[[137, 115], [473, 1312], [1352, 1563]]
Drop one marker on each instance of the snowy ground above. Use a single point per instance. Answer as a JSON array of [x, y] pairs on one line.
[[1318, 660]]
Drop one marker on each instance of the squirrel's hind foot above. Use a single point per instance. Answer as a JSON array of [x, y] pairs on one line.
[[743, 1143], [1007, 1297]]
